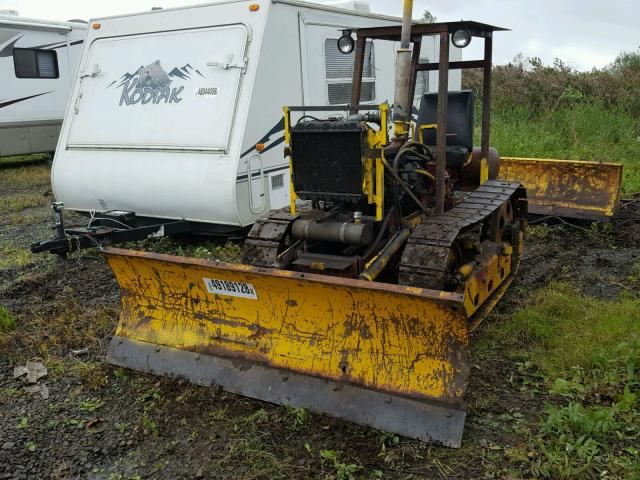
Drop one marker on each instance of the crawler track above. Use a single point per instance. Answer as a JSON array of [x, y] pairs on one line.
[[267, 238], [425, 260]]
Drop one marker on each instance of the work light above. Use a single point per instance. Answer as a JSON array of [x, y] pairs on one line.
[[461, 38], [346, 43]]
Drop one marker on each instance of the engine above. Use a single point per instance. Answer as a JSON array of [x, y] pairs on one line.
[[329, 158]]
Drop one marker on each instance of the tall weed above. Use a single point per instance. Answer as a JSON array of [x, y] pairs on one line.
[[557, 112]]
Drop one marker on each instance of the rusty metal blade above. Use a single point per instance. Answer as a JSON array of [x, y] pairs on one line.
[[567, 188], [403, 351]]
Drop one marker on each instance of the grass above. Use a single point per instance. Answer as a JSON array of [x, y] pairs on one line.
[[17, 203], [219, 250], [249, 445], [12, 256], [21, 160], [572, 408], [570, 330], [68, 325], [586, 353], [25, 177], [7, 321], [581, 132]]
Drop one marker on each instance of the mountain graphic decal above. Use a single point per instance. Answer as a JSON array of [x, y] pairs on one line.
[[152, 84], [184, 72], [124, 78], [154, 71]]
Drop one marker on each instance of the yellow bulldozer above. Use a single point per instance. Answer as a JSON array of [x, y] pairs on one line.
[[358, 301]]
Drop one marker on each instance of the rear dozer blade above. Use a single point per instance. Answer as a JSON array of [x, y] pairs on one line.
[[566, 188], [387, 356]]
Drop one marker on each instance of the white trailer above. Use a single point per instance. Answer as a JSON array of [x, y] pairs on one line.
[[177, 113], [38, 63]]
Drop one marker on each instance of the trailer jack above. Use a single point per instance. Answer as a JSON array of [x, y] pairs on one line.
[[107, 228]]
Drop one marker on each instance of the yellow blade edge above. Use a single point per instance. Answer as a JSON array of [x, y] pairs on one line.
[[387, 356], [566, 188]]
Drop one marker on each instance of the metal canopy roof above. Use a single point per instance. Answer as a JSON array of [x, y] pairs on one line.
[[476, 29]]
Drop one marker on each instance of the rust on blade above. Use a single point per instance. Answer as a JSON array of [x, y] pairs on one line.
[[567, 188]]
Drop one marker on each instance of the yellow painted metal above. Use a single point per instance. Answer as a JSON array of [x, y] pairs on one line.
[[368, 179], [484, 170], [483, 282], [382, 139], [566, 188], [426, 126], [379, 196], [374, 170], [373, 178], [400, 129], [466, 269], [408, 341], [287, 141]]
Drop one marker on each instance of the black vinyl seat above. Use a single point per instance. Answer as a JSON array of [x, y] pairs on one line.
[[459, 125]]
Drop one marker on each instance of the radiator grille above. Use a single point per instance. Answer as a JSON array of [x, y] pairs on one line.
[[327, 160]]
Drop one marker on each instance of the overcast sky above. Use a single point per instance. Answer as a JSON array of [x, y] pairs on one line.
[[584, 33]]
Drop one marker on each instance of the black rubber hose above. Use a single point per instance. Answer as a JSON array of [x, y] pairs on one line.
[[378, 239]]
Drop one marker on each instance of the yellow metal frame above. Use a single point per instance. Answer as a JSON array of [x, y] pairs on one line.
[[481, 285], [373, 178], [426, 126], [287, 141]]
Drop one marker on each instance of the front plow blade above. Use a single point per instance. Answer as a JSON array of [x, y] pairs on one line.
[[566, 188], [388, 356]]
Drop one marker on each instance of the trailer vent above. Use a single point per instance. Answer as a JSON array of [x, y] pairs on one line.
[[277, 181], [339, 73], [341, 93]]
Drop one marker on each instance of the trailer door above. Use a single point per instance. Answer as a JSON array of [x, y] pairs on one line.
[[170, 91]]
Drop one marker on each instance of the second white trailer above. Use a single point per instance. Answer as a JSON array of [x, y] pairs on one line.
[[38, 64], [177, 113]]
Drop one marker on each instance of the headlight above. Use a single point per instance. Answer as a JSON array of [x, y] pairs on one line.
[[346, 44], [461, 38]]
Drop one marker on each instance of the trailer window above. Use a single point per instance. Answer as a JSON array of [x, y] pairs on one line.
[[32, 63], [339, 73]]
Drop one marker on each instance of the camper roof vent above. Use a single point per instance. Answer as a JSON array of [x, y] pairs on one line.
[[9, 12], [357, 5]]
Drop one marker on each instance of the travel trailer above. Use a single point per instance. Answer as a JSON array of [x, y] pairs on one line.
[[38, 63], [177, 113]]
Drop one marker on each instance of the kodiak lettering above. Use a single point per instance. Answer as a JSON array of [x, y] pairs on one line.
[[133, 92]]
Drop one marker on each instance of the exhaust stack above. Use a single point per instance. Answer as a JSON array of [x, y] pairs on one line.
[[401, 104]]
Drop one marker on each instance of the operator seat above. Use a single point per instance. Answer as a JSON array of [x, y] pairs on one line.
[[459, 125]]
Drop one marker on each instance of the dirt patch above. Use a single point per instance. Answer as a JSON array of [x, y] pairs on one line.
[[599, 258]]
